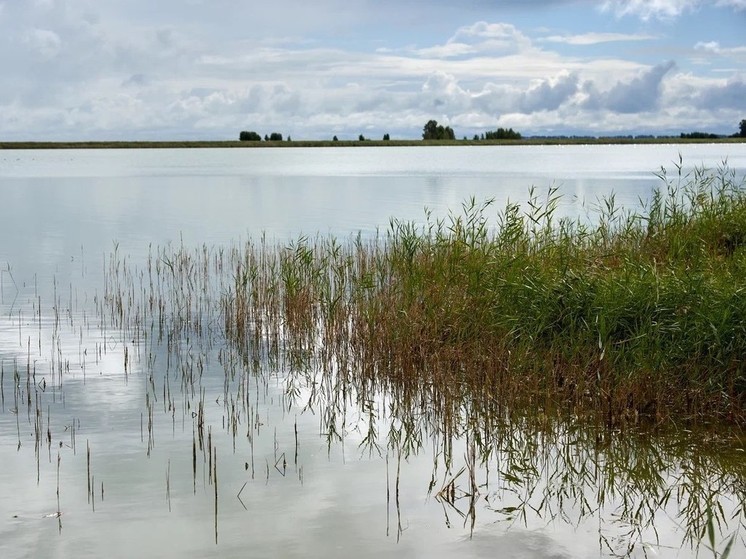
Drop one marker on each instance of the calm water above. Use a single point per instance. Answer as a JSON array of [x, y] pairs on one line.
[[59, 206], [76, 226]]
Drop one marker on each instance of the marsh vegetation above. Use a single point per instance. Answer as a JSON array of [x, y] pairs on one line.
[[639, 316]]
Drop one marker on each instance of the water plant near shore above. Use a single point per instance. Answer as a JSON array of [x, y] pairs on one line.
[[641, 314]]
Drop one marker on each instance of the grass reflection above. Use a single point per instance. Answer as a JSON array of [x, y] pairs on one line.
[[549, 469]]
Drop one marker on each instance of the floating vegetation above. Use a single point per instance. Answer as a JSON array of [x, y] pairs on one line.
[[546, 371]]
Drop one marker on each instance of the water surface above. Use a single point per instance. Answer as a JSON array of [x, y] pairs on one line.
[[101, 415]]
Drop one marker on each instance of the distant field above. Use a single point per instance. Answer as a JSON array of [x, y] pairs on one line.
[[356, 143]]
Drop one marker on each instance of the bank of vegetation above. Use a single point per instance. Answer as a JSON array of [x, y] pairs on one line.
[[432, 134], [525, 141], [639, 317]]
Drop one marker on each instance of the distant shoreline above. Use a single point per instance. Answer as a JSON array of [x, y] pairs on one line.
[[358, 143]]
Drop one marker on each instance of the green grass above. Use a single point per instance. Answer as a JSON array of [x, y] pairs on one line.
[[173, 144], [642, 315]]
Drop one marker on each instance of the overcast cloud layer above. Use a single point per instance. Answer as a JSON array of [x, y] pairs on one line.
[[206, 69]]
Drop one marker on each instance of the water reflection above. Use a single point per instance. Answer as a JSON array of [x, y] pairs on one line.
[[63, 210], [125, 392], [637, 489]]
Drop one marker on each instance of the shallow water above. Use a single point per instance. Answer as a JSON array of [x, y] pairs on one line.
[[305, 465]]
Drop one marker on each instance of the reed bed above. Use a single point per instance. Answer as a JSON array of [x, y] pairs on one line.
[[640, 315]]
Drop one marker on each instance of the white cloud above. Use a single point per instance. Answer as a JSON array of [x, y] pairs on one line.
[[641, 94], [442, 93], [585, 39], [485, 31], [729, 94], [550, 94], [114, 69], [136, 80], [711, 46], [647, 9], [665, 9], [446, 51], [714, 48], [43, 41], [735, 4], [481, 38], [500, 38]]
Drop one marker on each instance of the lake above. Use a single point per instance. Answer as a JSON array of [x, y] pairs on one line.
[[131, 426]]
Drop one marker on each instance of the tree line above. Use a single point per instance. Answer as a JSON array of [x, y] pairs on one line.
[[434, 131], [251, 136], [431, 131], [705, 136]]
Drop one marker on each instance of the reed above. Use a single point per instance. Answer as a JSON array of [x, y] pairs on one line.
[[639, 315], [168, 484], [59, 510], [215, 481]]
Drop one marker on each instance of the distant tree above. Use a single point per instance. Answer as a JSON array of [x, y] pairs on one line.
[[335, 139], [502, 134], [476, 137], [699, 136], [361, 138], [275, 137], [386, 137], [266, 138], [434, 131], [742, 127], [289, 139], [430, 130], [249, 136]]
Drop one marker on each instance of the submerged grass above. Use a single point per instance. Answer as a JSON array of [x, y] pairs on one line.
[[640, 315]]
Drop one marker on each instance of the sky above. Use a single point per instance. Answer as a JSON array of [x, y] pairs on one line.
[[207, 69]]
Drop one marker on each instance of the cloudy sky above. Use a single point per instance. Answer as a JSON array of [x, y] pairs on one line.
[[206, 69]]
